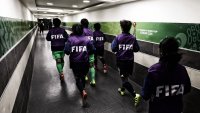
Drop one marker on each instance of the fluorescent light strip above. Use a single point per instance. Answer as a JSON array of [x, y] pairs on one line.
[[49, 3], [111, 0], [75, 6], [86, 1]]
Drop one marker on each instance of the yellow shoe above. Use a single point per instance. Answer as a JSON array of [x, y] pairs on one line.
[[137, 99], [93, 83], [86, 78], [122, 93]]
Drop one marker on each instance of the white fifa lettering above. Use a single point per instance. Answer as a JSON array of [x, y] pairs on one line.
[[79, 48], [158, 90], [174, 89], [60, 36], [180, 90], [170, 90], [166, 90], [99, 38], [126, 46]]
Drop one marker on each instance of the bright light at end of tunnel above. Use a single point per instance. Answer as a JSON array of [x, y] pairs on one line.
[[49, 3], [86, 1]]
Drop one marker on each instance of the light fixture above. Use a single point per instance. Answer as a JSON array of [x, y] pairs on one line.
[[110, 0], [86, 1], [75, 6], [45, 12], [59, 13], [56, 10], [49, 3]]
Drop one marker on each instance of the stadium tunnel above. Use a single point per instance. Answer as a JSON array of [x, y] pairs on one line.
[[29, 81]]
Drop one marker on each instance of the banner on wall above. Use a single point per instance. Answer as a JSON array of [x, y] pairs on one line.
[[188, 35]]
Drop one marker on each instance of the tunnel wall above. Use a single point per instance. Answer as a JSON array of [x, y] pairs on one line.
[[15, 9], [11, 31], [16, 67]]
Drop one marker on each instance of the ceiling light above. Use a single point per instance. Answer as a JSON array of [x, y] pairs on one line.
[[49, 3], [86, 1], [56, 10], [59, 13], [75, 6], [110, 0], [47, 15], [45, 12]]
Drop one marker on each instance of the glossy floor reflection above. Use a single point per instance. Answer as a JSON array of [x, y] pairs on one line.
[[48, 95]]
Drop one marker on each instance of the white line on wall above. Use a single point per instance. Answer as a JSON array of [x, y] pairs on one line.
[[9, 95], [148, 60]]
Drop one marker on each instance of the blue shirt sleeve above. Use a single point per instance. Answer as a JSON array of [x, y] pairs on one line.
[[48, 38], [114, 45], [187, 82], [136, 47], [91, 48], [105, 39], [66, 36], [147, 89], [67, 48]]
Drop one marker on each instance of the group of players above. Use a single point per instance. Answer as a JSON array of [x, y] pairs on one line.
[[167, 81]]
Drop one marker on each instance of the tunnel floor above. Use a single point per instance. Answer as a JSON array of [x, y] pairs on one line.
[[49, 95]]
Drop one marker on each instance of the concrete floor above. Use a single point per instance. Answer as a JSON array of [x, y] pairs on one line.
[[48, 95]]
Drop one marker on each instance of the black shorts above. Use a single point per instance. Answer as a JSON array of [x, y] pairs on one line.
[[79, 69], [99, 52], [125, 67]]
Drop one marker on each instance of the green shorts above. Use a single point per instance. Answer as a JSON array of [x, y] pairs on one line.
[[58, 54], [91, 58]]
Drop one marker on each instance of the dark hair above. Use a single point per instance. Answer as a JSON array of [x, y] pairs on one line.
[[97, 26], [169, 52], [125, 25], [56, 22], [77, 29], [84, 22]]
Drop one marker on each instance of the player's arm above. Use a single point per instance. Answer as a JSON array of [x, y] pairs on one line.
[[105, 39], [147, 88], [187, 85], [94, 38], [67, 48], [66, 36], [91, 48], [114, 45], [136, 46], [48, 37]]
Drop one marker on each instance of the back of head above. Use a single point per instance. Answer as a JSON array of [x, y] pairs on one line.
[[56, 22], [97, 26], [84, 22], [125, 25], [77, 29], [169, 51]]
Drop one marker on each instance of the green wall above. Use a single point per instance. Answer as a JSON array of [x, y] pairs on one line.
[[11, 31], [188, 34]]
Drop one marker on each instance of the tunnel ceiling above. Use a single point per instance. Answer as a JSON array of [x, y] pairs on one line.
[[67, 3], [65, 7]]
